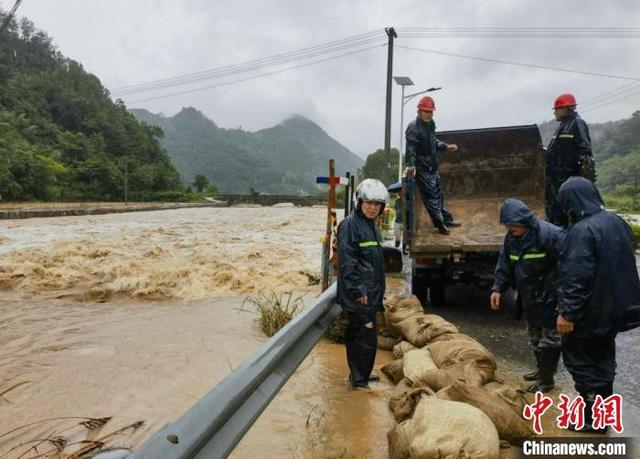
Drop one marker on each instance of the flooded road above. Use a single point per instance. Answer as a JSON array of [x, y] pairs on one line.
[[152, 362], [134, 317], [137, 316]]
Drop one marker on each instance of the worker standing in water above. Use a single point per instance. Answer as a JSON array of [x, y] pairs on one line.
[[361, 281], [568, 154], [422, 163], [528, 262]]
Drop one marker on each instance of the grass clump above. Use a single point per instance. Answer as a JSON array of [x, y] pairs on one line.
[[274, 309]]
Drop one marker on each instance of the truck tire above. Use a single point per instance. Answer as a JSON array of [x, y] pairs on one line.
[[437, 291], [420, 285]]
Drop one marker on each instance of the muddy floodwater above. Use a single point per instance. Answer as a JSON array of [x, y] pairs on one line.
[[112, 326], [136, 316]]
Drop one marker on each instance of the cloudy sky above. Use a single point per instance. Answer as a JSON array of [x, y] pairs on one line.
[[127, 42]]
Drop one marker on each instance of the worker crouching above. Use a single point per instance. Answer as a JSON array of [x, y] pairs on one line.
[[361, 281]]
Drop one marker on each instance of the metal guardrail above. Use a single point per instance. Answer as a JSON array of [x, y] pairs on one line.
[[217, 423]]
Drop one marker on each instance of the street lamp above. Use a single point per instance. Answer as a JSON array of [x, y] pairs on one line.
[[406, 81]]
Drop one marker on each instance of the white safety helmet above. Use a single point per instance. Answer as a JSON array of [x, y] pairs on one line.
[[371, 190]]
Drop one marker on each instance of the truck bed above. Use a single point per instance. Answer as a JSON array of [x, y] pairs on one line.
[[491, 165], [480, 230]]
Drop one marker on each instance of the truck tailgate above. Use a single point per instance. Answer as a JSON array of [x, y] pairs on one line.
[[491, 165]]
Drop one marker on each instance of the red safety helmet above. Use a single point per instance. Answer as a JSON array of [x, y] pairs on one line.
[[427, 104], [565, 100]]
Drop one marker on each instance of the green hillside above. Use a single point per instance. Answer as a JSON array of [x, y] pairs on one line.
[[283, 159], [62, 137]]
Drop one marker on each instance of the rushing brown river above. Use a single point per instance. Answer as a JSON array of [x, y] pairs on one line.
[[136, 316]]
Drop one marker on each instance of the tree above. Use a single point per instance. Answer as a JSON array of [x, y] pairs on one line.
[[200, 182], [62, 137], [375, 164]]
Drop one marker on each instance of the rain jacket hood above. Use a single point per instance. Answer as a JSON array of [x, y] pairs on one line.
[[516, 212], [580, 198]]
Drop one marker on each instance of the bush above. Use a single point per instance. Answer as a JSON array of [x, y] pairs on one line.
[[274, 310], [636, 234]]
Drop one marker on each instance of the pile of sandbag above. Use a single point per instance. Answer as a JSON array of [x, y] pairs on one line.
[[450, 399]]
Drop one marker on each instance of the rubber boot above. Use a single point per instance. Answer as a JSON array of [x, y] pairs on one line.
[[534, 375], [589, 400], [547, 369]]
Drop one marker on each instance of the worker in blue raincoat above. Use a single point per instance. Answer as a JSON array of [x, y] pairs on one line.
[[422, 165], [528, 262], [599, 290], [361, 281], [568, 154]]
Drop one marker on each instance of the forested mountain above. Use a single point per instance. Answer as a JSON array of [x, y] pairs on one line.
[[62, 137], [282, 159]]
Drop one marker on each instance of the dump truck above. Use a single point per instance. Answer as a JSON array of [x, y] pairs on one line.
[[492, 164]]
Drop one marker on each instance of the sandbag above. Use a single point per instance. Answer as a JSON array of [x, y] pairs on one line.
[[446, 353], [400, 349], [421, 330], [416, 363], [510, 426], [452, 337], [399, 308], [515, 397], [441, 378], [403, 405], [404, 386], [444, 429], [393, 370], [387, 343]]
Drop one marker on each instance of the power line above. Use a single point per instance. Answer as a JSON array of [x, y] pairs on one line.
[[606, 96], [257, 64], [519, 32], [612, 100], [246, 69], [519, 64], [7, 19], [203, 88]]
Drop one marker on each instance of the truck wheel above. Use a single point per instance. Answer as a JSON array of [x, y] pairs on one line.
[[437, 291], [420, 285]]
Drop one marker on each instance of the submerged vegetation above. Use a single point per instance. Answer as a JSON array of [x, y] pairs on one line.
[[274, 309]]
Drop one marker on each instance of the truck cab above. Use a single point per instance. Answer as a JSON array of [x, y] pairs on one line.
[[491, 165]]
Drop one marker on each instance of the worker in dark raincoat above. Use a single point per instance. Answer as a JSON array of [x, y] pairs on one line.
[[361, 281], [422, 163], [568, 154], [599, 290], [528, 262]]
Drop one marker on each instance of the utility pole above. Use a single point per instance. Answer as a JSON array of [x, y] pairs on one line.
[[391, 33], [126, 183], [9, 15]]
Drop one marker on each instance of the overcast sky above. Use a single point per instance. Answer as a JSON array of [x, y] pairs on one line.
[[126, 42]]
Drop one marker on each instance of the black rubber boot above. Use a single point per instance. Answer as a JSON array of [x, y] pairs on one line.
[[547, 366], [589, 400], [453, 223], [442, 229], [534, 375]]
